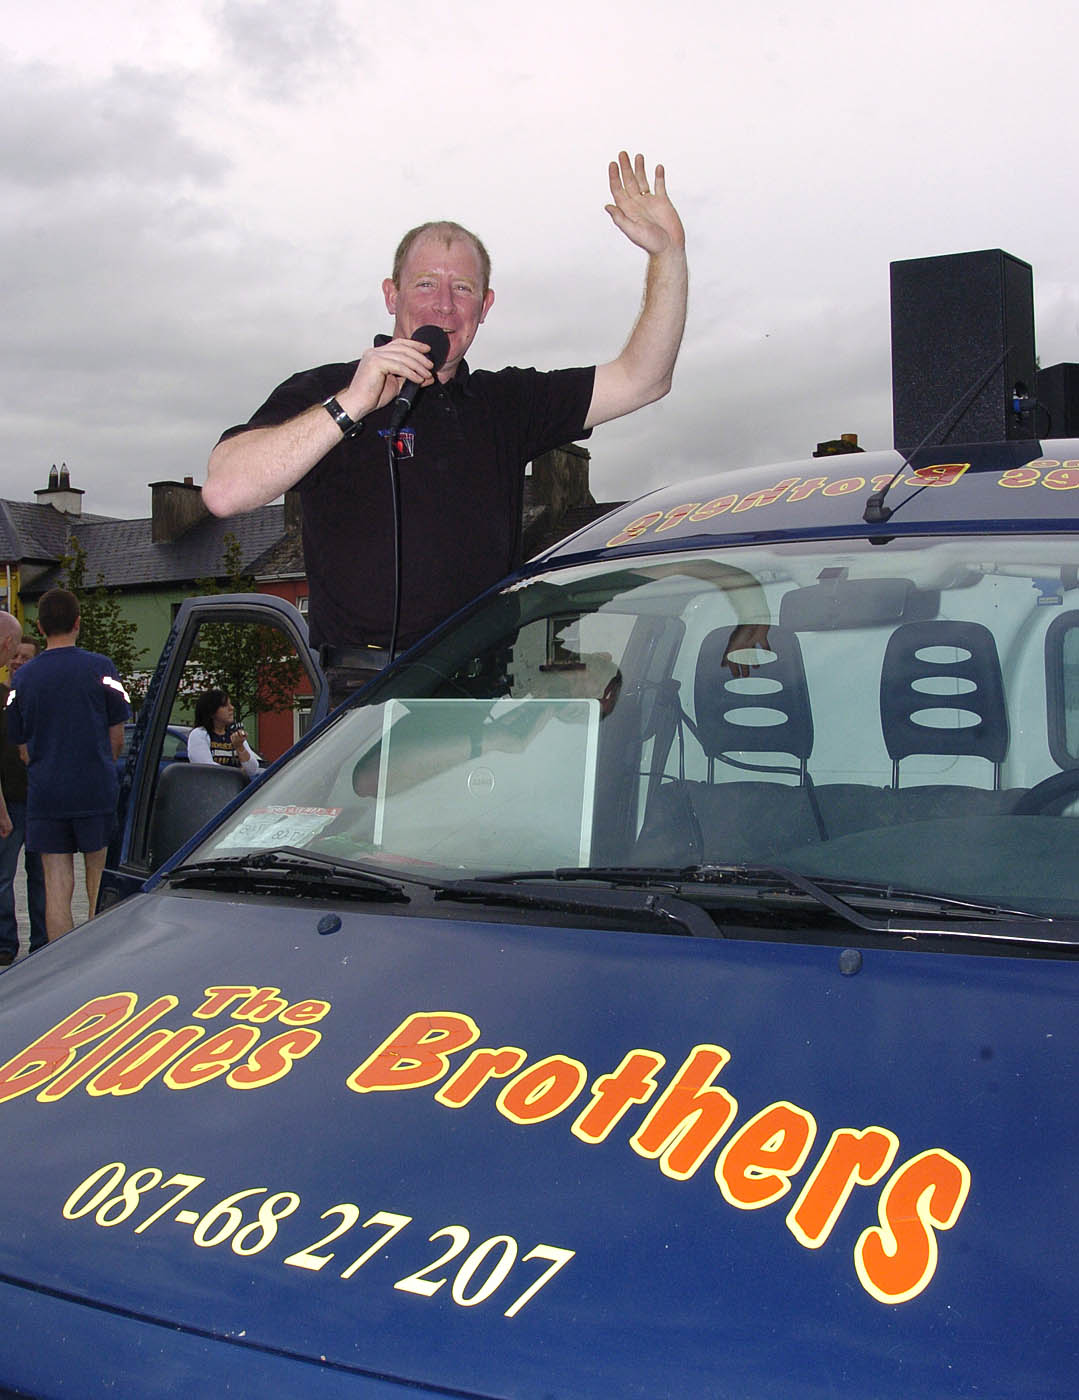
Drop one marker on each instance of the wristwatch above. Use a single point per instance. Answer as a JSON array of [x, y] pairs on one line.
[[350, 427]]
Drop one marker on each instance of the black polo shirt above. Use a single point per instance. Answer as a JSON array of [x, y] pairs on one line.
[[12, 768], [461, 494]]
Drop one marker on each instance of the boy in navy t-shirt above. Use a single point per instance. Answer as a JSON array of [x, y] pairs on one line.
[[66, 711]]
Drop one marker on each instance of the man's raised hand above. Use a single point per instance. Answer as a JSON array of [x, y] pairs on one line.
[[644, 214]]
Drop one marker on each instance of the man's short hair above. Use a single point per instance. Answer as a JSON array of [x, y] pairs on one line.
[[449, 232], [28, 641], [58, 612]]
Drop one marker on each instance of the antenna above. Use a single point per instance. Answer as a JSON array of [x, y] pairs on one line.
[[876, 512]]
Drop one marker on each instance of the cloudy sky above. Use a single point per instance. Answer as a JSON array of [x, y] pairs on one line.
[[200, 197]]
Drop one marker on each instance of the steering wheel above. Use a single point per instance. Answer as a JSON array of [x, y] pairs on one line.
[[1047, 792]]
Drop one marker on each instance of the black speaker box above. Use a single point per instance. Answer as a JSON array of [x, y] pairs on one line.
[[955, 319], [1058, 401]]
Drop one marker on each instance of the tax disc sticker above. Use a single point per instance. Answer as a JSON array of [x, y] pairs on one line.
[[282, 826]]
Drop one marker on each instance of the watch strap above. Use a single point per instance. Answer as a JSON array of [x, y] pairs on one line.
[[349, 426]]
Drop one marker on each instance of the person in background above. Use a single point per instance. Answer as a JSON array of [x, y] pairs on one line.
[[12, 841], [66, 712], [217, 738]]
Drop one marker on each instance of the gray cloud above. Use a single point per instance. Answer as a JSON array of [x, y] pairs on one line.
[[135, 348], [60, 130], [282, 46]]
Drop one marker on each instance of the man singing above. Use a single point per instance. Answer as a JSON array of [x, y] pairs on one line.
[[462, 453]]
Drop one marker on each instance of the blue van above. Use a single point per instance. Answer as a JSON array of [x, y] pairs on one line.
[[661, 982]]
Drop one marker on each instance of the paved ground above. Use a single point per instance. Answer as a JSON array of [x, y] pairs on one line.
[[78, 904]]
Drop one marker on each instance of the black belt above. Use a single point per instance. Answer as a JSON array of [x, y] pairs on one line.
[[358, 657]]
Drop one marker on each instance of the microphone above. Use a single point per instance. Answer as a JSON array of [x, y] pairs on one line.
[[438, 343]]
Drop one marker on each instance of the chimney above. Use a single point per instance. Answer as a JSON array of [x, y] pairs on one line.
[[560, 479], [174, 507], [60, 494], [293, 510]]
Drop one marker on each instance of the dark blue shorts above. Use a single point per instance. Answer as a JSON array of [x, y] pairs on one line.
[[55, 837]]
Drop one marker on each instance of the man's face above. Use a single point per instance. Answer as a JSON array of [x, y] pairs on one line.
[[441, 285], [24, 652], [8, 645]]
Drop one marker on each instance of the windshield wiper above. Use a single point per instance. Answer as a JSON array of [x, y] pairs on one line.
[[668, 912], [292, 870], [940, 915]]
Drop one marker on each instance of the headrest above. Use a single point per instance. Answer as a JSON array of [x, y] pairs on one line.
[[764, 711], [941, 692]]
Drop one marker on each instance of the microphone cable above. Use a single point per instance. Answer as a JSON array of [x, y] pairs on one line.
[[438, 343], [395, 497]]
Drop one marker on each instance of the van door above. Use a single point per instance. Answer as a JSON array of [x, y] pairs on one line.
[[183, 671]]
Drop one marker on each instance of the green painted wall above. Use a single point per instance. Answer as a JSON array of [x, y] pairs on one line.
[[150, 610]]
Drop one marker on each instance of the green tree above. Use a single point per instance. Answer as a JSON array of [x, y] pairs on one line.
[[254, 664], [104, 628]]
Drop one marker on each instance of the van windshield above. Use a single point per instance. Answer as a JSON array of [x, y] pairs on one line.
[[903, 714]]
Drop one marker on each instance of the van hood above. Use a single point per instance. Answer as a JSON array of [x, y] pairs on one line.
[[489, 1160]]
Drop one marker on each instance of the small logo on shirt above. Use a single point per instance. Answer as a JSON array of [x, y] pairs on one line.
[[403, 442]]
